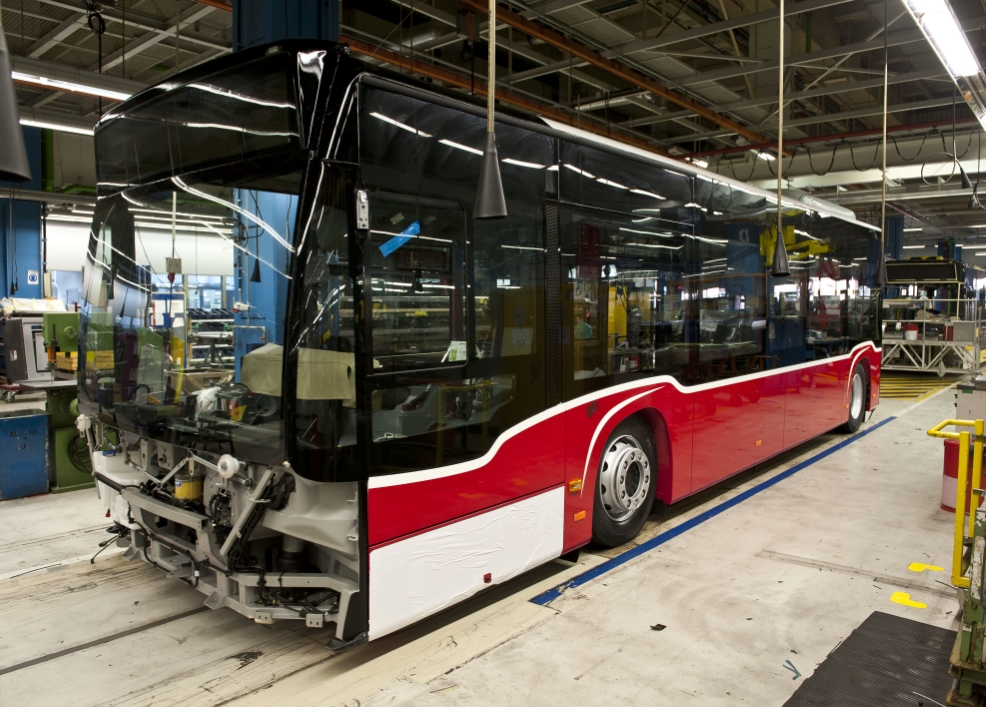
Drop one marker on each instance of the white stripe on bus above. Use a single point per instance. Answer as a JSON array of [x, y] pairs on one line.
[[412, 477]]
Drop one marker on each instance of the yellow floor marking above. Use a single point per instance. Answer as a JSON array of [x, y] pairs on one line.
[[905, 387], [905, 599], [921, 567]]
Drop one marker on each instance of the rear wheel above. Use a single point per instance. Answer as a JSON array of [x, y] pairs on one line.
[[625, 484], [857, 399]]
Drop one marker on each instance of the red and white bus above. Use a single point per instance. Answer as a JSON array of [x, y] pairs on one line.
[[315, 387]]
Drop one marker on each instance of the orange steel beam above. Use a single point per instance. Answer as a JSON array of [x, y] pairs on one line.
[[632, 76], [453, 79], [218, 4]]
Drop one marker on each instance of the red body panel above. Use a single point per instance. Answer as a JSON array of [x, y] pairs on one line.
[[703, 435]]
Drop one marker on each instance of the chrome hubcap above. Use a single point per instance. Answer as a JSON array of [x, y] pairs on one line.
[[856, 404], [624, 477]]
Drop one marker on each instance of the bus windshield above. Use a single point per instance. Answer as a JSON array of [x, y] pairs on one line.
[[185, 300]]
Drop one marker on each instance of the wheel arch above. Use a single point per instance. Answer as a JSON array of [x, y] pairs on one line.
[[661, 437], [868, 372]]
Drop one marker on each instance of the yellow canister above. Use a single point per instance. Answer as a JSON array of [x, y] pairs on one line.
[[188, 486]]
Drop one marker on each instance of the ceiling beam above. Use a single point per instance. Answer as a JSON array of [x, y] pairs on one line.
[[874, 110], [736, 22], [463, 82], [153, 37], [144, 22], [894, 40], [56, 36], [615, 68]]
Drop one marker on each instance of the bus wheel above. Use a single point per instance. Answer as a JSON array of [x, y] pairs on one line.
[[857, 399], [625, 484]]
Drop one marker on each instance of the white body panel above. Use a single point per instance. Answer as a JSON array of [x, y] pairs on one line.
[[418, 576]]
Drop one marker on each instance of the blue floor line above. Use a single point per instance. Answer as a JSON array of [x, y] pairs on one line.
[[611, 564]]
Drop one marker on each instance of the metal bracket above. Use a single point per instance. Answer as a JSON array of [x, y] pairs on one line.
[[263, 617], [216, 600], [314, 620]]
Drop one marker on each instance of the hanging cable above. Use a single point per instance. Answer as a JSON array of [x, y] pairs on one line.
[[98, 27]]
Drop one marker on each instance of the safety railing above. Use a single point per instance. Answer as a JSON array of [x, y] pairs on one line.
[[964, 504]]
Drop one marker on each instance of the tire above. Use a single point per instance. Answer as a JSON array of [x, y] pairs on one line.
[[624, 500], [857, 399]]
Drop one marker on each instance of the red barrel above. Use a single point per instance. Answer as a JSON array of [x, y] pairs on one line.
[[950, 478]]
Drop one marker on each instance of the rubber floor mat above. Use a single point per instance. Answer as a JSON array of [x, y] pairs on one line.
[[888, 661]]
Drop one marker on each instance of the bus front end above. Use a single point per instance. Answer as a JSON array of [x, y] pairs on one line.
[[223, 450]]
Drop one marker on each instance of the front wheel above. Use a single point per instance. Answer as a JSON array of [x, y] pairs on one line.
[[857, 399], [625, 484]]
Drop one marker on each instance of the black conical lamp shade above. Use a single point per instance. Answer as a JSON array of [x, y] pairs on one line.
[[490, 201], [13, 157], [780, 267], [255, 277], [966, 182], [881, 273]]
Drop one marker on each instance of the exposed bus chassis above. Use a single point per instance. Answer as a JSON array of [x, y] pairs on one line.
[[262, 541]]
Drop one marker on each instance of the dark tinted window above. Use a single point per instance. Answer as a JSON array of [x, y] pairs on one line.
[[456, 304], [246, 112]]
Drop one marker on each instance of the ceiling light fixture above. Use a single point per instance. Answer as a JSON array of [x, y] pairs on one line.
[[60, 127], [941, 28], [70, 86]]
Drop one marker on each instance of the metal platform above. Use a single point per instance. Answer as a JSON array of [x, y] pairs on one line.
[[889, 661]]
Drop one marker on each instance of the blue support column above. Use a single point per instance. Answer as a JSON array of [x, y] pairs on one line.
[[257, 22], [20, 248]]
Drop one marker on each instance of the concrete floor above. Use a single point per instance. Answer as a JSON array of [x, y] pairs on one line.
[[785, 575]]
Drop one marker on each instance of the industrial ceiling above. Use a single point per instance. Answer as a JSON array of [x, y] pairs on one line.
[[696, 79]]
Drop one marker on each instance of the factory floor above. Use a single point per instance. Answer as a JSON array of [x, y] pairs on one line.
[[783, 575]]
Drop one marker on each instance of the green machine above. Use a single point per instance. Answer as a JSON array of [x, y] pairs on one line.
[[70, 467]]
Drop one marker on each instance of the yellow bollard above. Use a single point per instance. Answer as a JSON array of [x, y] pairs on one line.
[[961, 506]]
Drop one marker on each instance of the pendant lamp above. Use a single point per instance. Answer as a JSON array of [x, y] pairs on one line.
[[779, 267], [490, 201], [13, 157]]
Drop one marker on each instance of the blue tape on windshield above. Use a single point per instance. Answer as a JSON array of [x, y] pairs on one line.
[[397, 241]]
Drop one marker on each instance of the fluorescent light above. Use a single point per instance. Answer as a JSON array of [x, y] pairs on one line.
[[912, 229], [183, 228], [940, 26], [655, 245], [698, 162], [580, 171], [646, 193], [645, 233], [766, 156], [464, 148], [68, 86], [399, 124], [523, 247], [56, 126], [915, 247], [609, 183], [67, 217], [521, 163]]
